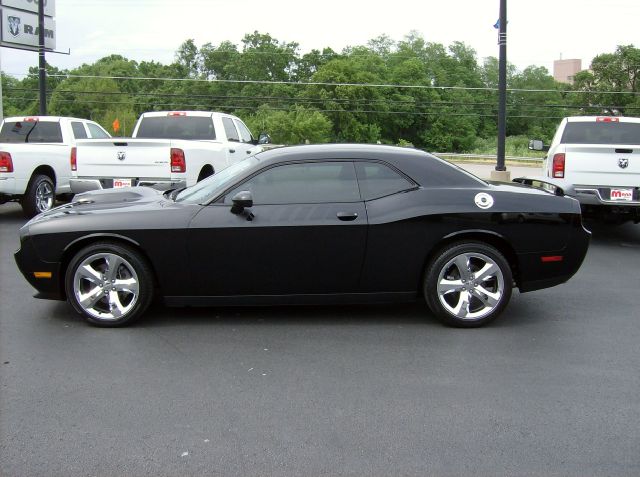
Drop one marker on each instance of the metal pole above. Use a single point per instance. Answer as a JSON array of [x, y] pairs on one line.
[[42, 72], [1, 104], [502, 87]]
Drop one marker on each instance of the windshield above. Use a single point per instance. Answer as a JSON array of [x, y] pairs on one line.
[[208, 188], [601, 133]]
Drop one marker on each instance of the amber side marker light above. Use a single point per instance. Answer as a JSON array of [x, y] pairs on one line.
[[42, 274], [552, 258]]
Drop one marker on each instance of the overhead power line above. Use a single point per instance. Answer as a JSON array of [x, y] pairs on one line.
[[275, 108], [320, 83], [315, 100]]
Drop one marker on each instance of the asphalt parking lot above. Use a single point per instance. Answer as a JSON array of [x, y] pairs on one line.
[[551, 388]]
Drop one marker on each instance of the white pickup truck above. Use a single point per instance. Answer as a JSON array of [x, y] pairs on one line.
[[596, 159], [169, 149], [35, 155]]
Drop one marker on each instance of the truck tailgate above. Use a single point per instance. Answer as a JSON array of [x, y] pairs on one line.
[[603, 164], [124, 158]]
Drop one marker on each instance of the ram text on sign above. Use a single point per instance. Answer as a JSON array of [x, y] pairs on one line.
[[21, 28], [32, 6]]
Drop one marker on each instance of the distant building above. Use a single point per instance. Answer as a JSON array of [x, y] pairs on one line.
[[565, 71]]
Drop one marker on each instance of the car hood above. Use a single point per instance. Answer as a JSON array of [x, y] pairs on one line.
[[132, 198], [111, 197]]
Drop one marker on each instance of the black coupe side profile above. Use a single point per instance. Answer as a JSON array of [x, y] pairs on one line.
[[307, 225]]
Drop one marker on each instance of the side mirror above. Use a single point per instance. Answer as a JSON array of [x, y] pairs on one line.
[[264, 139], [537, 145], [241, 201]]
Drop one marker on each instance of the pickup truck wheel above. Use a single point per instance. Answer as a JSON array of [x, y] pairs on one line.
[[468, 284], [109, 284], [39, 196]]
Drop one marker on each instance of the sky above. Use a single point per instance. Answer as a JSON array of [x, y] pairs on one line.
[[538, 31]]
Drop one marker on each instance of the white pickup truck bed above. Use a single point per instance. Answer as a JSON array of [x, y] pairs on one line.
[[170, 149]]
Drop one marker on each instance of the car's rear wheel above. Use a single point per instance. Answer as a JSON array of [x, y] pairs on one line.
[[468, 284], [39, 196], [109, 284]]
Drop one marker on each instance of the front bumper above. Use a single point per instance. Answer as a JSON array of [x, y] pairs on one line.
[[85, 185], [30, 264]]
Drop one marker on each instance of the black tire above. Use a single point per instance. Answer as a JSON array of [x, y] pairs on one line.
[[112, 297], [40, 195], [463, 298]]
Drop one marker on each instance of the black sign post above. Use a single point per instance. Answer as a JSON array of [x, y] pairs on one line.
[[42, 72], [502, 87]]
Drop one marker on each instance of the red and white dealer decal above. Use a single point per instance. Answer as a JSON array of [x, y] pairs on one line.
[[622, 194]]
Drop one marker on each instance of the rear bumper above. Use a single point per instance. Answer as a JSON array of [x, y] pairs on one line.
[[597, 195], [537, 273], [84, 185], [8, 186]]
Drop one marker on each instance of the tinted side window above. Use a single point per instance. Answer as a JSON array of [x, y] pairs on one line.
[[377, 180], [245, 135], [97, 132], [31, 131], [78, 130], [307, 183], [230, 129]]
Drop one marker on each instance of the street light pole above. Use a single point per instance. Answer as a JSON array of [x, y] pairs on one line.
[[42, 72], [500, 172]]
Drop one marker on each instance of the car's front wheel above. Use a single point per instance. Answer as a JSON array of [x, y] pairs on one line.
[[109, 284], [468, 284]]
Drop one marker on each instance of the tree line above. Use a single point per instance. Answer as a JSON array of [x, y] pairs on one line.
[[435, 97]]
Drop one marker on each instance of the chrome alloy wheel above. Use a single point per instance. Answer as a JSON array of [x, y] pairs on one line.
[[106, 286], [44, 196], [470, 286]]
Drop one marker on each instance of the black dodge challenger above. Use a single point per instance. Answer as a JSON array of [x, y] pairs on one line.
[[307, 225]]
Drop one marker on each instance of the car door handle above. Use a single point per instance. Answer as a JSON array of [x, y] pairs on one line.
[[232, 150], [248, 151], [347, 216]]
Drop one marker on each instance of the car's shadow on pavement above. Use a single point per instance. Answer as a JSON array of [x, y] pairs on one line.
[[623, 235], [520, 312]]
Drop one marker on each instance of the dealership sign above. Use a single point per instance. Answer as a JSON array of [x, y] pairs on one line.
[[32, 6], [20, 24]]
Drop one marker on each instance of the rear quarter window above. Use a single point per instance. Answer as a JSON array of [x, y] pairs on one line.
[[31, 132], [377, 180]]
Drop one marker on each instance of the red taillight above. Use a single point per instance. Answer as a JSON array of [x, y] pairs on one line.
[[558, 165], [6, 164], [551, 258], [177, 113], [30, 120], [607, 119], [178, 164], [73, 159]]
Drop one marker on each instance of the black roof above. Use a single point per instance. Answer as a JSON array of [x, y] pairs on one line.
[[421, 166]]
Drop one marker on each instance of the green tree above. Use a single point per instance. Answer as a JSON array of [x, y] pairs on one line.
[[297, 126]]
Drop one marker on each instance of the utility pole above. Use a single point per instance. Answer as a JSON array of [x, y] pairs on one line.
[[501, 172], [42, 72]]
